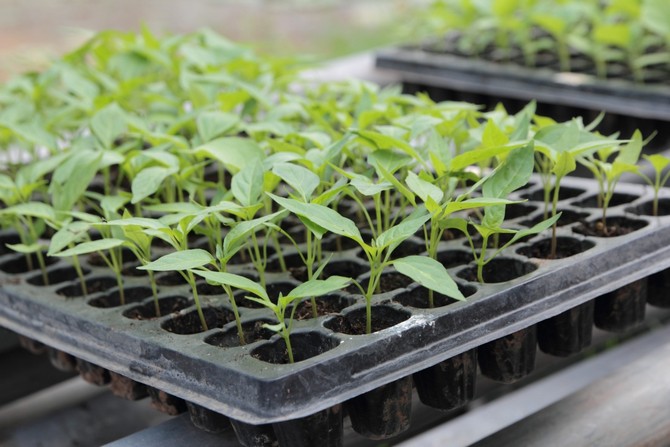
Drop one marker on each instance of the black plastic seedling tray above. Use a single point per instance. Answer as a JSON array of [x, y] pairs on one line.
[[233, 382], [447, 69]]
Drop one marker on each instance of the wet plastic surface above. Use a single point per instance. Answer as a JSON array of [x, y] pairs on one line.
[[231, 381]]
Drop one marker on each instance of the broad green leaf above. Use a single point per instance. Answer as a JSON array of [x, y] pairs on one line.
[[321, 216], [469, 158], [422, 188], [142, 222], [513, 174], [493, 136], [67, 235], [108, 123], [392, 237], [382, 141], [247, 184], [27, 249], [430, 274], [233, 152], [215, 124], [230, 279], [318, 287], [565, 164], [367, 187], [658, 162], [302, 180], [180, 261], [389, 160], [72, 178], [37, 210], [148, 181], [656, 17], [91, 247], [630, 153]]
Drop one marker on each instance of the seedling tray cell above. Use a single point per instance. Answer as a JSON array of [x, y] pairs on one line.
[[232, 381], [506, 80]]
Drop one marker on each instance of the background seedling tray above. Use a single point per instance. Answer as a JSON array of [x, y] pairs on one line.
[[513, 81], [231, 381]]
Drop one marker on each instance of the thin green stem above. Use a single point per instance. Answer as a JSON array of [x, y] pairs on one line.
[[80, 274], [196, 298]]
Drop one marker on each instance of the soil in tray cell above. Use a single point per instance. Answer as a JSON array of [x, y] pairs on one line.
[[56, 276], [566, 192], [388, 282], [325, 305], [96, 260], [616, 200], [499, 270], [93, 285], [5, 239], [647, 208], [616, 226], [454, 258], [20, 263], [253, 331], [189, 323], [353, 323], [166, 305], [565, 247], [305, 345], [418, 297], [517, 210], [113, 299]]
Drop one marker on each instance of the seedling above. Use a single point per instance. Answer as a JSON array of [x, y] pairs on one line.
[[659, 163], [312, 288], [607, 174]]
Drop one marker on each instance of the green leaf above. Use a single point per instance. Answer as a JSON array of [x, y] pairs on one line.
[[318, 287], [422, 188], [180, 261], [66, 236], [91, 247], [565, 164], [247, 184], [395, 235], [321, 216], [538, 228], [302, 180], [655, 16], [236, 281], [214, 124], [148, 181], [37, 210], [493, 136], [658, 162], [237, 237], [430, 274], [367, 187], [514, 173], [142, 222], [108, 123], [469, 158], [26, 249], [233, 152], [476, 202]]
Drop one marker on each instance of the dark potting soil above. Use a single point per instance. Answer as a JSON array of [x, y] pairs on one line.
[[113, 299], [565, 247], [166, 306], [93, 374], [305, 345], [189, 323], [20, 264], [325, 305], [253, 332], [127, 388], [499, 270], [616, 226], [418, 297], [353, 323], [566, 192], [647, 208], [93, 285], [616, 200], [56, 276]]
